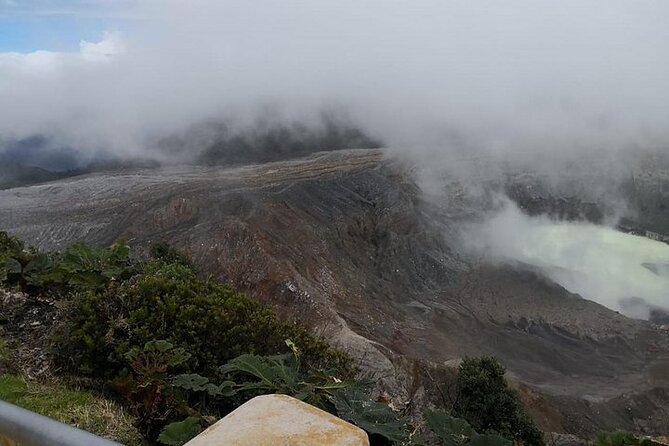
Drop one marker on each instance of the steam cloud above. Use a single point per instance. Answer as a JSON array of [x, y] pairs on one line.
[[532, 76], [623, 272]]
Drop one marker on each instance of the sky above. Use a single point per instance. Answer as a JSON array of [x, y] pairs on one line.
[[530, 75], [33, 25]]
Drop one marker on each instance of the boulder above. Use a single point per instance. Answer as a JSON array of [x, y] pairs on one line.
[[280, 420]]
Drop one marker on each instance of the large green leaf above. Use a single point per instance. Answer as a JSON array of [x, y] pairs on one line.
[[191, 381], [198, 383], [354, 405], [451, 431], [280, 374], [272, 372], [177, 434]]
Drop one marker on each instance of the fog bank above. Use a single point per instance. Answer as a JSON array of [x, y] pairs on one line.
[[431, 76]]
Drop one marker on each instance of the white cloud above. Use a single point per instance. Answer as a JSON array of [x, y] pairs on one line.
[[482, 74], [32, 63], [111, 45]]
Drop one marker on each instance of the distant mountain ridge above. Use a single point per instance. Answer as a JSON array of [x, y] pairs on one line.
[[16, 175]]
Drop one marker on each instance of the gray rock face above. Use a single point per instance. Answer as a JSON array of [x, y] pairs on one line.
[[345, 242]]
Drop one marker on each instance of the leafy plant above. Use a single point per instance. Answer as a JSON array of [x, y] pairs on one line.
[[86, 266], [347, 399], [377, 419], [282, 374], [153, 361], [81, 266], [147, 389], [195, 383]]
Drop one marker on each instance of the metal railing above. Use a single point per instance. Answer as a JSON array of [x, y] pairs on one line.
[[26, 428]]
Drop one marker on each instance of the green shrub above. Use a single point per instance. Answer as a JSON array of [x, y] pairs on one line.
[[489, 405], [210, 321]]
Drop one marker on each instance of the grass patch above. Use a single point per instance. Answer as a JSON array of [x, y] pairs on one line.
[[75, 407]]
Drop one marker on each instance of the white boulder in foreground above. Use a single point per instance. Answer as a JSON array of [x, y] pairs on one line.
[[280, 420]]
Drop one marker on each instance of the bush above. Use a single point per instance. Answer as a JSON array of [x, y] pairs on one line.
[[489, 405], [167, 301], [159, 334]]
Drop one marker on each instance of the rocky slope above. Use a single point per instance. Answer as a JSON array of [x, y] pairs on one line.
[[346, 241]]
